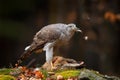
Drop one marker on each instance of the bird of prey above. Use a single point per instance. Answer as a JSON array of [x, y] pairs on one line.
[[48, 37]]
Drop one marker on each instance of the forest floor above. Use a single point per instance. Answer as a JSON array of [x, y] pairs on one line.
[[65, 69]]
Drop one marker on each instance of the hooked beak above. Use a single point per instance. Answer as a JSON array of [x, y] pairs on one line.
[[78, 30]]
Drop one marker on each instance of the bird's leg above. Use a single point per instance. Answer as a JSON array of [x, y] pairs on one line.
[[50, 58], [52, 66], [49, 54]]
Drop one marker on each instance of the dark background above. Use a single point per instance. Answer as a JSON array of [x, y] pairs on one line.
[[99, 20]]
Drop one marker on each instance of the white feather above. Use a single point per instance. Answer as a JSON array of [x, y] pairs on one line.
[[49, 54], [26, 48], [49, 51]]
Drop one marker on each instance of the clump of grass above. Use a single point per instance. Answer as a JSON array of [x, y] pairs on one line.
[[6, 77], [45, 73]]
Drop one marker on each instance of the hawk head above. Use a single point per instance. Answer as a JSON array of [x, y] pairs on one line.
[[72, 28]]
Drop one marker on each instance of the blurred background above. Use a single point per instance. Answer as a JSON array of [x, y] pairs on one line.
[[99, 20]]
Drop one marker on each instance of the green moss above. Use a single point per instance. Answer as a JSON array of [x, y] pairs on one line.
[[68, 73], [83, 74], [6, 77], [5, 71]]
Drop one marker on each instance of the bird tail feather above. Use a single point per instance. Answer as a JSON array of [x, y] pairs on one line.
[[28, 52]]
